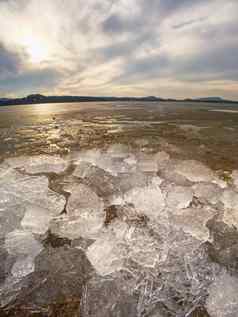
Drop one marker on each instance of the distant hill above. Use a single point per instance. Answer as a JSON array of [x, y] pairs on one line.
[[38, 98], [210, 99]]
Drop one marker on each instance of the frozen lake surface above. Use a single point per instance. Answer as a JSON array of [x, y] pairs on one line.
[[141, 221]]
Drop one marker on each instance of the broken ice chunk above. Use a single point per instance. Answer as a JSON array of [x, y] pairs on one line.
[[143, 248], [21, 242], [4, 169], [22, 245], [105, 297], [73, 227], [83, 169], [208, 192], [22, 267], [131, 160], [118, 151], [39, 164], [223, 300], [229, 198], [11, 213], [27, 199], [85, 215], [193, 221], [194, 171], [37, 219], [162, 159], [170, 174], [179, 197], [230, 201], [101, 181], [137, 179], [147, 200], [106, 255], [147, 163], [235, 178], [83, 198], [97, 158]]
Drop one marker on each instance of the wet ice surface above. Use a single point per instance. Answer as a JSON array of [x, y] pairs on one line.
[[124, 233]]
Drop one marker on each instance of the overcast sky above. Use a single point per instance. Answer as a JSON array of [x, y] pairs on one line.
[[166, 48]]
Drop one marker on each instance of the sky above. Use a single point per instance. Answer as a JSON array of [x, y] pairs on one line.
[[165, 48]]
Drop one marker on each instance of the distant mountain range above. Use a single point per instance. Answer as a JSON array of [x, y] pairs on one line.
[[37, 99]]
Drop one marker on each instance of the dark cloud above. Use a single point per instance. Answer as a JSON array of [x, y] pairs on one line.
[[218, 63], [33, 80], [207, 65], [10, 62], [128, 48], [164, 8], [113, 24], [189, 23]]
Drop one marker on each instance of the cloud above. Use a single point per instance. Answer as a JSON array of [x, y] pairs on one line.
[[30, 81], [119, 47], [10, 61]]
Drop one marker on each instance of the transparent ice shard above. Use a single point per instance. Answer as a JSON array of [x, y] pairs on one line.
[[85, 214], [223, 300], [39, 164]]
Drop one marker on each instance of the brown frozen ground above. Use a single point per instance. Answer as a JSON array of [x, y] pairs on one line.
[[192, 131]]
